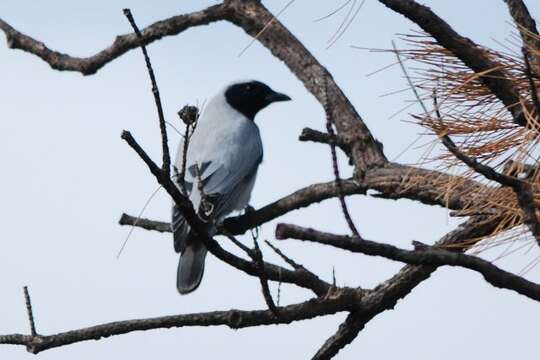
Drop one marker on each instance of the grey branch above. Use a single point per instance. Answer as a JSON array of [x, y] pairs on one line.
[[324, 138], [430, 256], [235, 319], [392, 181], [386, 295], [373, 171], [466, 50], [29, 311], [122, 44], [525, 23]]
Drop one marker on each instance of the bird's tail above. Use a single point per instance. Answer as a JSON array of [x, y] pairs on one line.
[[191, 265]]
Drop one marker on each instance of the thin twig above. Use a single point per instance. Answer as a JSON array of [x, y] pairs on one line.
[[235, 241], [182, 179], [189, 115], [285, 258], [29, 311], [155, 90], [332, 136], [258, 259]]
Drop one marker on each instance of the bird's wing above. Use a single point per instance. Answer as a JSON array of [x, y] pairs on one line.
[[223, 163]]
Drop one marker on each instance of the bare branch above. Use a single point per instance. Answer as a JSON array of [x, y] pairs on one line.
[[393, 181], [29, 311], [466, 50], [147, 224], [386, 295], [189, 115], [252, 16], [299, 199], [330, 129], [285, 258], [324, 138], [122, 44], [235, 319], [373, 171], [258, 259], [525, 23], [166, 166], [431, 257], [347, 332]]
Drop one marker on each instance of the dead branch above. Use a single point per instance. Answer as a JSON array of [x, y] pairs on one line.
[[372, 172], [122, 44], [430, 256], [466, 50], [29, 311], [155, 91], [335, 166], [324, 138], [524, 23], [235, 319], [392, 181], [386, 295]]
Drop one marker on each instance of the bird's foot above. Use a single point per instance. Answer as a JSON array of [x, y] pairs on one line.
[[249, 210]]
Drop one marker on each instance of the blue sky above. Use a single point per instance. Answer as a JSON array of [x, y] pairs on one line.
[[68, 177]]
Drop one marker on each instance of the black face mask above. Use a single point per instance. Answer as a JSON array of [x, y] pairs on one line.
[[250, 97]]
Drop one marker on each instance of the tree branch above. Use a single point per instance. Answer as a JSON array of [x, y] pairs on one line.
[[235, 319], [430, 257], [524, 23], [252, 16], [323, 138], [393, 181], [522, 189], [29, 311], [346, 333], [466, 50], [155, 91], [122, 44], [373, 171], [335, 166], [386, 295]]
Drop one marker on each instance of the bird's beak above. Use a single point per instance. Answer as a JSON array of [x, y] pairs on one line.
[[275, 96]]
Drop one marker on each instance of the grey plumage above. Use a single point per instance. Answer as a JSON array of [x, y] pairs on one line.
[[223, 155]]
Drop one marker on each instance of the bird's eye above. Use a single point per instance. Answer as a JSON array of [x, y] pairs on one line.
[[248, 87]]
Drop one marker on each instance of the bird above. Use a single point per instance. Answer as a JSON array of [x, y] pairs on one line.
[[223, 156]]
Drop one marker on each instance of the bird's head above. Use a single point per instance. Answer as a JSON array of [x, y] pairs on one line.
[[250, 97]]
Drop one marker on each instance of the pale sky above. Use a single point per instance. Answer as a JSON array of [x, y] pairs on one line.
[[68, 176]]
